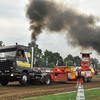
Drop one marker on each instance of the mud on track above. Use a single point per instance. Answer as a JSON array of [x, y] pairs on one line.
[[15, 91]]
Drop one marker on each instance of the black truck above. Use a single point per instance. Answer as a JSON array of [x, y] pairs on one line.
[[15, 65]]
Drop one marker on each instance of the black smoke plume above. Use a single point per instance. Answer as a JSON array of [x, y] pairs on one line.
[[81, 29]]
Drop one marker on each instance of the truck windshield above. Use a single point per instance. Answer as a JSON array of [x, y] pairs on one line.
[[7, 52], [85, 59]]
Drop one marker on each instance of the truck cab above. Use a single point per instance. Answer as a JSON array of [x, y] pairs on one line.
[[14, 61]]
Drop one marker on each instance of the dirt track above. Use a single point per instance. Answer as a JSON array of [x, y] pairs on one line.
[[15, 91]]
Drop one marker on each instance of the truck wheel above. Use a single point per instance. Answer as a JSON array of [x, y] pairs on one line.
[[4, 83], [85, 80], [89, 79], [24, 79], [47, 80]]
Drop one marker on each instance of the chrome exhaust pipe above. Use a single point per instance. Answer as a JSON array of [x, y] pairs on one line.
[[32, 48], [32, 57]]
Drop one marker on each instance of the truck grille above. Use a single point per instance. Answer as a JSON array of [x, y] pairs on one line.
[[5, 65]]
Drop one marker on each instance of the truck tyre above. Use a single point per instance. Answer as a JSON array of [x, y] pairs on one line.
[[89, 79], [47, 80], [4, 82], [24, 79], [85, 80]]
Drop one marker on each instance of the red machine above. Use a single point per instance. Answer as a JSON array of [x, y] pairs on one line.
[[70, 74], [85, 63]]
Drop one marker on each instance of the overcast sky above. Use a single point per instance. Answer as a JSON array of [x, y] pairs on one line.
[[14, 26]]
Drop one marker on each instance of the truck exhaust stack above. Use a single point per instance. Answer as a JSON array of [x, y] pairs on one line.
[[32, 47], [32, 57]]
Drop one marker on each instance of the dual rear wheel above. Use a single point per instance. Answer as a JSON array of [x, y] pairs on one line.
[[47, 80]]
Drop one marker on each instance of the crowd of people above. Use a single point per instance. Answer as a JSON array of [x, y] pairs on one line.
[[42, 68]]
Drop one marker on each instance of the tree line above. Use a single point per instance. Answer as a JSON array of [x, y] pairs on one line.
[[50, 59]]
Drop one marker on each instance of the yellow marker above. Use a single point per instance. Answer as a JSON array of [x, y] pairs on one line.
[[24, 64], [28, 54]]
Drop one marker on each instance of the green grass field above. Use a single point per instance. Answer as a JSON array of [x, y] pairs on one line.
[[89, 95], [96, 76]]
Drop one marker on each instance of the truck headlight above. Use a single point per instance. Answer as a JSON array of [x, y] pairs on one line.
[[12, 75]]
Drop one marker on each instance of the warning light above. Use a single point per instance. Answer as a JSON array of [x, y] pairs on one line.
[[80, 83], [3, 45], [16, 43]]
